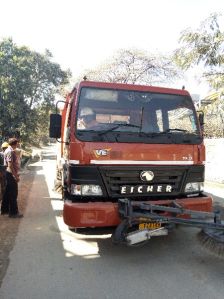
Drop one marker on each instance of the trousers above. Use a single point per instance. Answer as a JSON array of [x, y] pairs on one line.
[[9, 201], [2, 182]]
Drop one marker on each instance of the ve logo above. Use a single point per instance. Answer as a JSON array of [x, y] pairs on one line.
[[101, 152]]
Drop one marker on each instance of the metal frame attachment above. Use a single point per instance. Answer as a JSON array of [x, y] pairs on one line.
[[133, 213]]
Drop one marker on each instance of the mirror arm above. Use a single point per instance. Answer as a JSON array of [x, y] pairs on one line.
[[201, 117], [56, 106]]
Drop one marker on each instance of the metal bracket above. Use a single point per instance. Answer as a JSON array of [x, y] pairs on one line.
[[134, 211]]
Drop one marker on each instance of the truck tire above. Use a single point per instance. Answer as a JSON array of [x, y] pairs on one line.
[[58, 181]]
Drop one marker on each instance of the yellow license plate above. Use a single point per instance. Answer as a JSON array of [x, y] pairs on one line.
[[151, 225]]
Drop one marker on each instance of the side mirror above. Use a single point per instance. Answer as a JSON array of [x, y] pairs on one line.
[[201, 118], [55, 126]]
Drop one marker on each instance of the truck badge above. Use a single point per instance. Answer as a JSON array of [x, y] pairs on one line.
[[101, 152], [146, 176]]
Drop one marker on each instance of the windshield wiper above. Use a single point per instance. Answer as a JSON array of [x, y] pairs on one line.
[[175, 130], [118, 126], [153, 134], [150, 134]]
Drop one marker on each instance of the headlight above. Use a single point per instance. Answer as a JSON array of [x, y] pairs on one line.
[[194, 187], [87, 190]]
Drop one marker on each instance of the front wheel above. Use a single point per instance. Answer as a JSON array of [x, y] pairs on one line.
[[58, 181]]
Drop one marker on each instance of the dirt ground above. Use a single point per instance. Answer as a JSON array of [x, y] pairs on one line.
[[9, 226]]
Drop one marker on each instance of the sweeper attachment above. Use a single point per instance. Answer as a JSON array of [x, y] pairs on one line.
[[142, 221]]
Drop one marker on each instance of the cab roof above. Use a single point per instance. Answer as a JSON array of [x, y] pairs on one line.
[[123, 86]]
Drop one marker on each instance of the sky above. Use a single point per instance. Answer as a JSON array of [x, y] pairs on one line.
[[81, 34]]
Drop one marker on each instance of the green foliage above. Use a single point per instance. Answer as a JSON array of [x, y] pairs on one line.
[[204, 47], [214, 115], [135, 67], [28, 84]]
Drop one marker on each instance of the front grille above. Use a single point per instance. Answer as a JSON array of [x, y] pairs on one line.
[[115, 178]]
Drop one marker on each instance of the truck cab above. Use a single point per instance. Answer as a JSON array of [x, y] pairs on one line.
[[143, 143]]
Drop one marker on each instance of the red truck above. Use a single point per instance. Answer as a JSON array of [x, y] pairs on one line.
[[131, 157]]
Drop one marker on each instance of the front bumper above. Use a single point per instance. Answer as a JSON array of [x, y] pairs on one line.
[[102, 214]]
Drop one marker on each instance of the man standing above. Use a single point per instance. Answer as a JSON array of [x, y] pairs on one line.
[[9, 202], [2, 170]]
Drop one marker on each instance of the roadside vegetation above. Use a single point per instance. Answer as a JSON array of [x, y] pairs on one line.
[[30, 82], [204, 48], [136, 67]]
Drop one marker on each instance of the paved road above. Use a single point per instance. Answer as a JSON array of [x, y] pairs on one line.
[[49, 261]]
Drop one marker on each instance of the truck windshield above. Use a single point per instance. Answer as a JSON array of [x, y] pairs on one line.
[[134, 116]]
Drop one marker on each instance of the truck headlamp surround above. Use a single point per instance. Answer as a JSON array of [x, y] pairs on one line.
[[194, 187], [86, 190]]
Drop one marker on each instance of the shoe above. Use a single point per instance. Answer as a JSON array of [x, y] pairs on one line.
[[16, 216], [4, 213]]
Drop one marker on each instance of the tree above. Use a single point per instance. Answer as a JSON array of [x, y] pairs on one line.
[[28, 82], [213, 107], [135, 67], [204, 47]]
